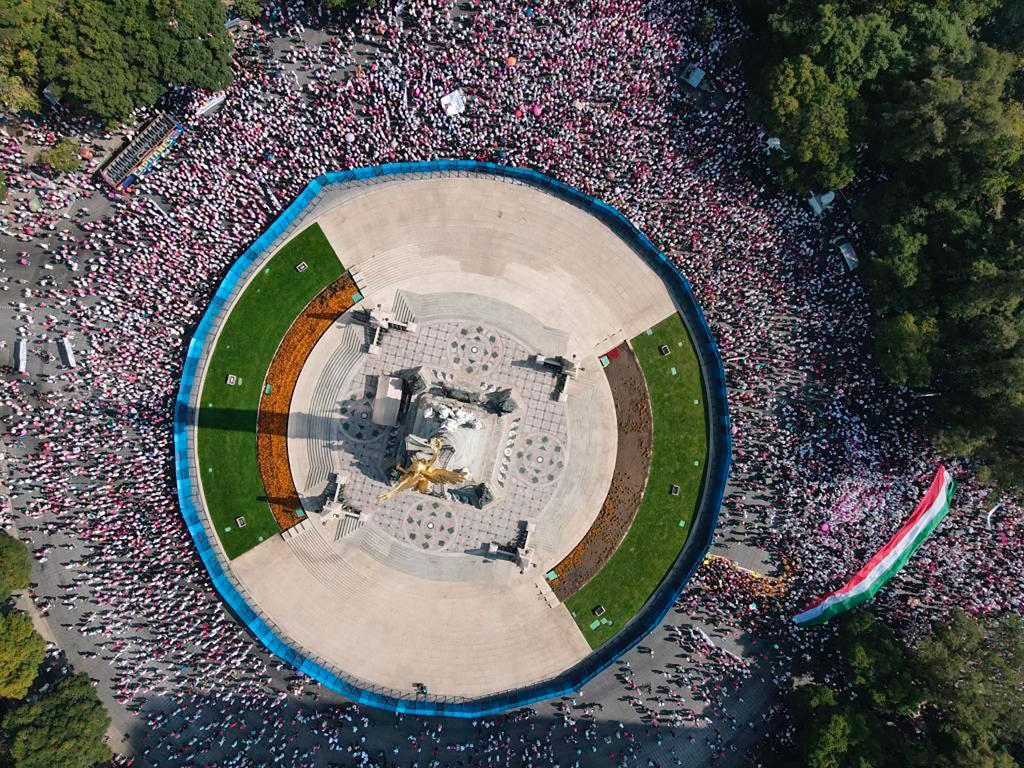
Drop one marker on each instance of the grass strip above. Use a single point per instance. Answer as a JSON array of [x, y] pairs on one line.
[[227, 415], [678, 457]]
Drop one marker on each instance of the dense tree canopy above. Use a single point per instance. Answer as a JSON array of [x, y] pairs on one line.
[[106, 57], [62, 157], [974, 673], [15, 566], [927, 97], [64, 727], [249, 9], [21, 652], [336, 4], [956, 700], [806, 110], [21, 39]]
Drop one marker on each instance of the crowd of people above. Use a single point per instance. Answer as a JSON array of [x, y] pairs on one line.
[[827, 459]]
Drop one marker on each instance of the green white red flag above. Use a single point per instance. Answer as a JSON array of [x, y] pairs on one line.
[[888, 561]]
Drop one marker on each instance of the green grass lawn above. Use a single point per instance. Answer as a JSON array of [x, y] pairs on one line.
[[680, 439], [227, 415]]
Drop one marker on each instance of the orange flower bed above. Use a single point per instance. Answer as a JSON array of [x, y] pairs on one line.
[[272, 421], [632, 465]]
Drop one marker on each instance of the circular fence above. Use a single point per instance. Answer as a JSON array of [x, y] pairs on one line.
[[634, 631]]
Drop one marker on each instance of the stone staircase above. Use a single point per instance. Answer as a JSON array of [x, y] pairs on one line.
[[379, 273], [434, 566], [328, 567], [295, 530], [401, 311], [347, 525], [324, 405]]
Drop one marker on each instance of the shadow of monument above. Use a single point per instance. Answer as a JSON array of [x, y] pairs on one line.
[[373, 457], [245, 420]]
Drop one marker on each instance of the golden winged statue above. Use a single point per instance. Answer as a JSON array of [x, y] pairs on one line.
[[421, 474]]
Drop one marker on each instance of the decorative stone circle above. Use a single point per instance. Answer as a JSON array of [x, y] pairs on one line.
[[356, 412], [475, 348], [540, 460], [430, 524], [530, 462]]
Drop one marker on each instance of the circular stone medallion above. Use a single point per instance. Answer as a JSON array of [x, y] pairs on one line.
[[475, 349], [356, 419], [429, 524], [539, 460]]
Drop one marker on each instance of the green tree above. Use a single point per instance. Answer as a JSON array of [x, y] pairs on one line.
[[86, 57], [106, 57], [21, 652], [956, 700], [824, 736], [930, 96], [65, 727], [1005, 27], [834, 733], [801, 105], [249, 9], [973, 675], [15, 563], [949, 109], [853, 49], [899, 263], [21, 36], [62, 157], [878, 664], [15, 94], [903, 345]]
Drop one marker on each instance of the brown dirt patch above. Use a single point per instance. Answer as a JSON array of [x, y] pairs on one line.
[[632, 465], [272, 421]]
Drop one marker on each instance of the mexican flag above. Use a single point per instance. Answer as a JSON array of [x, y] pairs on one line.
[[890, 558]]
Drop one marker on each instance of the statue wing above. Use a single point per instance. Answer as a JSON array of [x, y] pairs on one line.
[[409, 480], [441, 476]]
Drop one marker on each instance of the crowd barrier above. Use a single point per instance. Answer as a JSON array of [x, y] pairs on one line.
[[660, 602]]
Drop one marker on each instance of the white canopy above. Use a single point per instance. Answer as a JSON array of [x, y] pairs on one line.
[[454, 103]]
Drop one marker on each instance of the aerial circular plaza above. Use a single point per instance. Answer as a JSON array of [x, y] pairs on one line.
[[451, 437], [464, 383]]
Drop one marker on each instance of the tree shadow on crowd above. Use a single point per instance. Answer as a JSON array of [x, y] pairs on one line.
[[460, 742], [619, 730]]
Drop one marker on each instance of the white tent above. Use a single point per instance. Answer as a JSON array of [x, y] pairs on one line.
[[67, 354], [454, 103], [694, 76], [211, 103], [21, 355], [821, 203]]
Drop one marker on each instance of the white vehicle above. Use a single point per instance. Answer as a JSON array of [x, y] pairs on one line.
[[21, 355], [843, 245], [821, 203], [698, 79]]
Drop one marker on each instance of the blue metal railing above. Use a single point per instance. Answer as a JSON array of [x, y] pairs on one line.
[[661, 600]]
